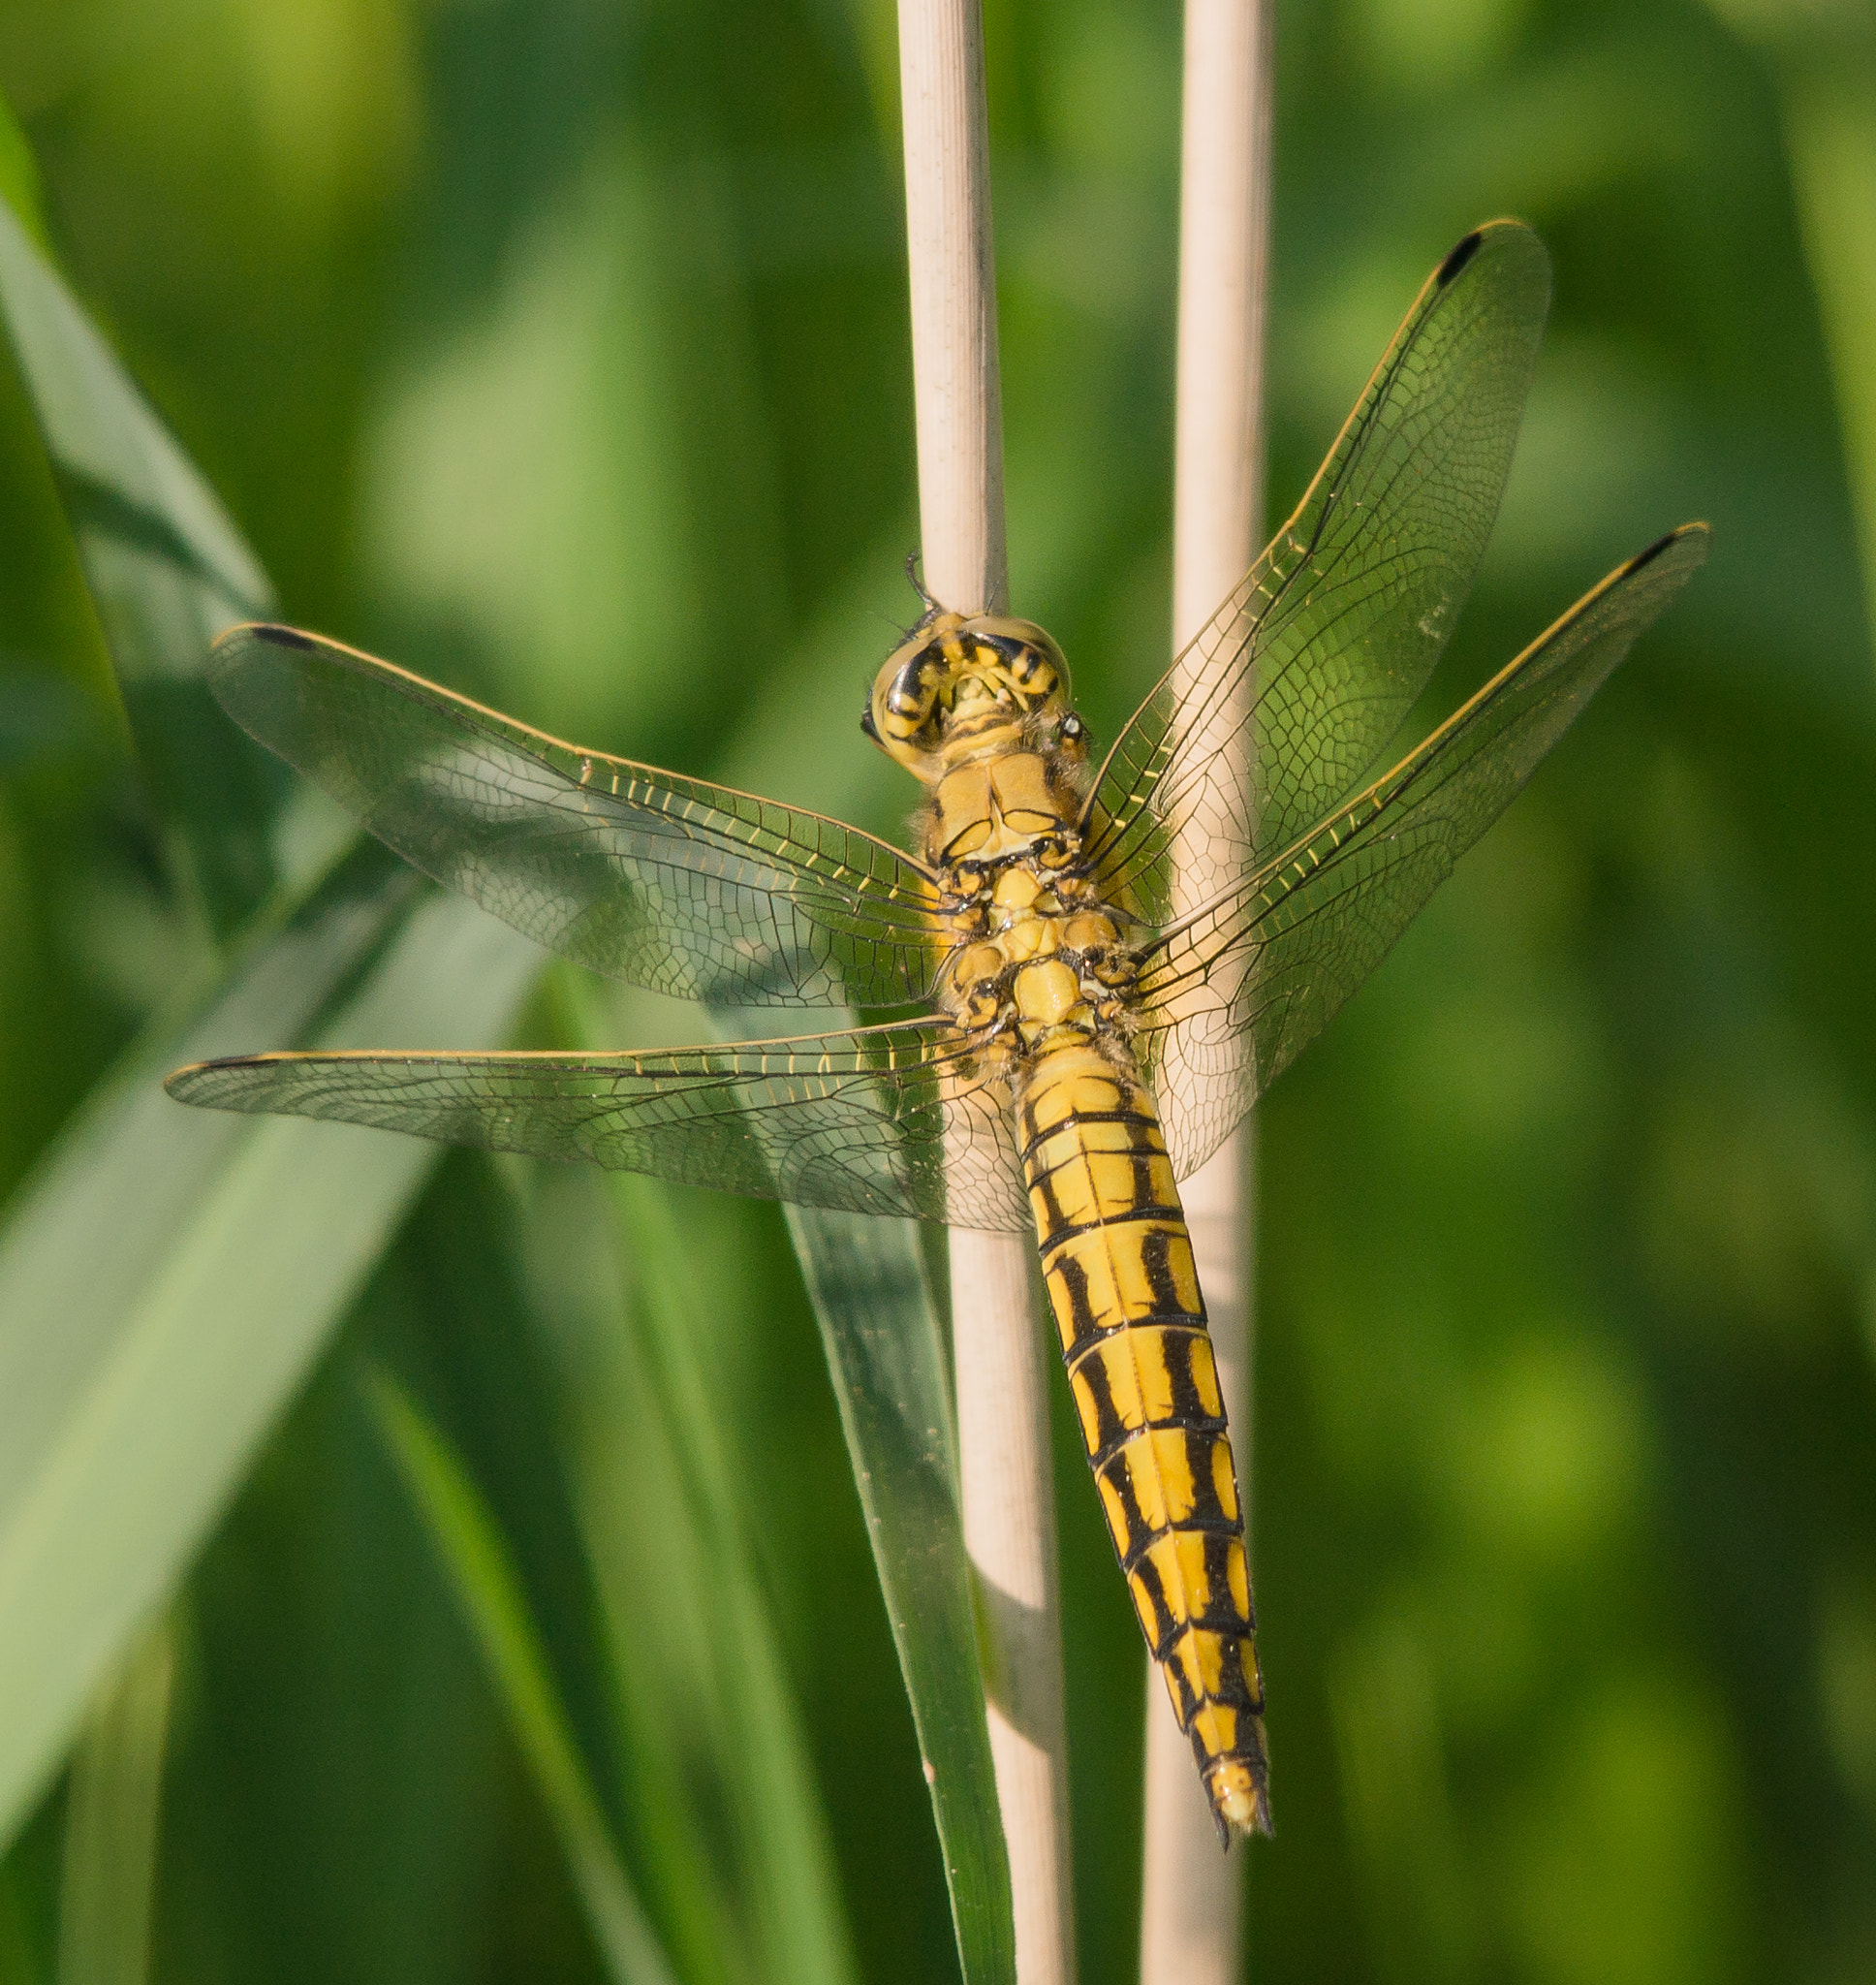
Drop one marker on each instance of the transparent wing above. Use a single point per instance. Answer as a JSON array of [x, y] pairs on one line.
[[1285, 698], [1234, 992], [886, 1119], [660, 881]]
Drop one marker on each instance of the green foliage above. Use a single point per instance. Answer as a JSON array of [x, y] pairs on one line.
[[471, 1545], [866, 1279], [560, 351], [113, 1804], [139, 1405]]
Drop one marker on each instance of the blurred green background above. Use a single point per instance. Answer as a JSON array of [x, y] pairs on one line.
[[558, 349]]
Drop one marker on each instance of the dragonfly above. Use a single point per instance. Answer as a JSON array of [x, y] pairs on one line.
[[1088, 971]]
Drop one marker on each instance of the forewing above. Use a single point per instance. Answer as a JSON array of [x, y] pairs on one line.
[[1288, 695], [887, 1119], [1233, 994], [660, 881]]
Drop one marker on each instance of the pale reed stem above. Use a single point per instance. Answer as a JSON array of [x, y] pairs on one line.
[[1008, 1502], [1192, 1896]]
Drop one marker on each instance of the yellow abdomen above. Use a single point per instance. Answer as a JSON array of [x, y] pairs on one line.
[[1117, 1262]]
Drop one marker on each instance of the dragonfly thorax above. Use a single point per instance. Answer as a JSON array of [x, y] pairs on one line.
[[1038, 958]]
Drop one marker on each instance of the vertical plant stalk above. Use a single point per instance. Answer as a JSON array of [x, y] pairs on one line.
[[1007, 1480], [1192, 1896]]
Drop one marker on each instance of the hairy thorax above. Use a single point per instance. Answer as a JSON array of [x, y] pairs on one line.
[[1039, 962]]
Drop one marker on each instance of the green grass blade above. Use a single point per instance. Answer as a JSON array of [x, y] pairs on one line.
[[168, 1277], [19, 182], [879, 1326], [461, 1325], [111, 1821], [795, 1917], [488, 1584], [492, 1332], [879, 1329], [167, 571]]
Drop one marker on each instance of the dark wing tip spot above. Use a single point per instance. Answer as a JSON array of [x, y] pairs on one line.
[[1461, 253], [1653, 552], [282, 637]]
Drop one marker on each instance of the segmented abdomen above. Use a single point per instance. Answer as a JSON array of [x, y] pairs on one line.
[[1117, 1263]]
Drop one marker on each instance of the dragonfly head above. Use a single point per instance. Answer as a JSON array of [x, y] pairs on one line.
[[962, 685]]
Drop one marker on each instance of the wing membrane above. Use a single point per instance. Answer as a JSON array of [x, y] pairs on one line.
[[1240, 987], [1286, 696], [886, 1119], [660, 881]]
